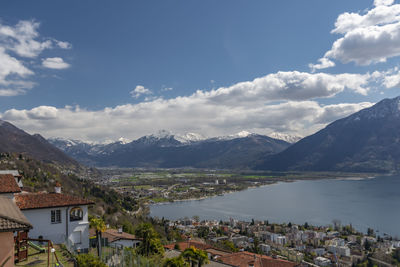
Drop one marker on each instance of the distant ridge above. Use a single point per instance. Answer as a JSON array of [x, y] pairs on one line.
[[15, 140], [367, 141], [165, 150]]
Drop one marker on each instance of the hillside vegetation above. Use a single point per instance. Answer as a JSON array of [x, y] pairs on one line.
[[40, 176]]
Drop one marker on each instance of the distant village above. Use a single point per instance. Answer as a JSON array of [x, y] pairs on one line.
[[304, 244]]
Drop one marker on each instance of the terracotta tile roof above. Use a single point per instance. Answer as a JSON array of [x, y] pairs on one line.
[[113, 235], [8, 184], [244, 259], [11, 218], [48, 200], [186, 244], [217, 252]]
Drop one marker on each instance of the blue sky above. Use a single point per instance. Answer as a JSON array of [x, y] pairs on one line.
[[101, 70]]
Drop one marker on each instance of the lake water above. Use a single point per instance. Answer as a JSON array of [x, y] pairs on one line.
[[373, 203]]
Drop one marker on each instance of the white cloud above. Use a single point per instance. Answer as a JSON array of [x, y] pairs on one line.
[[23, 40], [63, 45], [368, 45], [369, 37], [165, 89], [383, 2], [10, 65], [12, 75], [278, 102], [333, 112], [55, 63], [139, 91], [379, 15], [323, 64], [390, 78], [291, 85], [179, 115], [11, 92]]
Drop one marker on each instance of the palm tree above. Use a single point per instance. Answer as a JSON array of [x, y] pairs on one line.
[[175, 262], [151, 243], [195, 256], [202, 257], [190, 256], [99, 225]]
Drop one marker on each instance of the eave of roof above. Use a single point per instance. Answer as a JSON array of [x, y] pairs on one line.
[[8, 225], [28, 201]]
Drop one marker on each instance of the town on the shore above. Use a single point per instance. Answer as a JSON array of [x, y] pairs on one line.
[[308, 245]]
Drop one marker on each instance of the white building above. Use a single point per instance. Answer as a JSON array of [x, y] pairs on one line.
[[58, 217], [266, 249], [339, 250], [118, 238], [321, 261], [281, 240]]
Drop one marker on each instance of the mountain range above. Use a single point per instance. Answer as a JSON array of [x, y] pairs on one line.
[[366, 141], [165, 150], [15, 140]]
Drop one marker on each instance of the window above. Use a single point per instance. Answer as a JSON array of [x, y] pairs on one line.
[[56, 216], [76, 214]]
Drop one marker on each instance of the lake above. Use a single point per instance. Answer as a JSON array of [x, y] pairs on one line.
[[364, 203]]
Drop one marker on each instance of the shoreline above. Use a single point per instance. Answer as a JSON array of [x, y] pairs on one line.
[[303, 205], [340, 178]]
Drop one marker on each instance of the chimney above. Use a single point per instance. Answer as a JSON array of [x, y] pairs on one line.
[[57, 188], [120, 230]]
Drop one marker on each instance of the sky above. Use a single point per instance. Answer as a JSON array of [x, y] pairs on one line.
[[101, 70]]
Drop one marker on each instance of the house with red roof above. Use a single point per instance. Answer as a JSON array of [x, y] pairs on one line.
[[117, 238], [246, 259], [55, 216], [227, 258], [58, 217]]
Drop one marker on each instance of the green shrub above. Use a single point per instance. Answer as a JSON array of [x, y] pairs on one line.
[[88, 260]]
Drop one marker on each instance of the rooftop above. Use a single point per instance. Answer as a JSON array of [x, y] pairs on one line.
[[187, 244], [12, 172], [8, 184], [244, 259], [113, 235], [11, 218], [48, 200]]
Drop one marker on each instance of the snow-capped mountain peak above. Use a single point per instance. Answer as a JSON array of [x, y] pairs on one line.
[[241, 134], [285, 137], [124, 141], [189, 137], [161, 134], [66, 142]]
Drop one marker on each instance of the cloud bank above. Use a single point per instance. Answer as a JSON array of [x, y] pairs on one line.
[[279, 102]]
